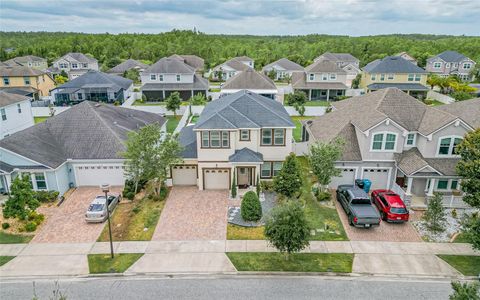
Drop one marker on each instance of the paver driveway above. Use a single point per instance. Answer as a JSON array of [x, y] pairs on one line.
[[190, 214], [66, 224]]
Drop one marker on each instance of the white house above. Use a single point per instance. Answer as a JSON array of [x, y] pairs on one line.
[[15, 113], [346, 61], [232, 67], [283, 68], [251, 80], [74, 64]]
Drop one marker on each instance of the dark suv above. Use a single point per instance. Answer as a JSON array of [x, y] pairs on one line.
[[358, 206]]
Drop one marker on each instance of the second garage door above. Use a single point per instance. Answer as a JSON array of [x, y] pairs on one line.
[[216, 179], [378, 177], [184, 175], [96, 175], [347, 177]]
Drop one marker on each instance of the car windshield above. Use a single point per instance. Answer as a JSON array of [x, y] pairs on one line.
[[95, 207], [361, 201], [398, 210]]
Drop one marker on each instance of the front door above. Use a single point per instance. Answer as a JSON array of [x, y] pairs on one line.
[[243, 176]]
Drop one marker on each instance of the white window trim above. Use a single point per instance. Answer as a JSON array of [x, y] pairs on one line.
[[449, 184], [450, 149], [414, 140], [439, 65], [467, 64], [384, 141]]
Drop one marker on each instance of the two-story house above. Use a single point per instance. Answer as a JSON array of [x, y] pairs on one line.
[[243, 134], [30, 61], [170, 75], [251, 80], [232, 67], [193, 61], [15, 113], [395, 71], [282, 68], [26, 81], [129, 64], [74, 64], [397, 141], [408, 57], [346, 61], [322, 80], [451, 63], [93, 86]]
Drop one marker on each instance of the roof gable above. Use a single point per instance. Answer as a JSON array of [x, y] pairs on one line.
[[7, 98], [392, 64], [170, 66], [251, 80], [324, 65]]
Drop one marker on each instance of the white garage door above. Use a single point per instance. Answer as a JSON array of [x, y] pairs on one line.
[[184, 175], [378, 177], [96, 175], [216, 179], [347, 177]]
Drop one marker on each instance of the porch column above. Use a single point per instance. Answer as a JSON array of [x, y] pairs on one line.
[[192, 93], [163, 93], [430, 188], [328, 95], [310, 94], [409, 185]]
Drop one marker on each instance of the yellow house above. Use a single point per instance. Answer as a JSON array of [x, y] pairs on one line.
[[395, 71], [31, 81]]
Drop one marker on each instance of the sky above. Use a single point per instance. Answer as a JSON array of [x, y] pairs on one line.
[[264, 17]]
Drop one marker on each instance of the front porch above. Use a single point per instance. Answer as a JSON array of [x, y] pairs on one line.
[[324, 94]]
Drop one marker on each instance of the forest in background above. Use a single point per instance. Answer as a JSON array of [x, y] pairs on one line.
[[110, 49]]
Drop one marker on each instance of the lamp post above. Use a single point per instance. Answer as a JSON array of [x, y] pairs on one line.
[[106, 189]]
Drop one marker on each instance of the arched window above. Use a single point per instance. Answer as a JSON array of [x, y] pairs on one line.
[[448, 145]]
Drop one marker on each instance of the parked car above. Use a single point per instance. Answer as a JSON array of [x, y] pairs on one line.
[[358, 206], [97, 210], [390, 205]]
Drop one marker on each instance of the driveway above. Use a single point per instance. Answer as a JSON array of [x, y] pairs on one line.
[[66, 224], [190, 214], [389, 232]]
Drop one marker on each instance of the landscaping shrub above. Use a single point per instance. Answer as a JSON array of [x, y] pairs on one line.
[[435, 214], [36, 217], [267, 186], [46, 196], [251, 208], [30, 227], [136, 90], [323, 196], [5, 225], [136, 209]]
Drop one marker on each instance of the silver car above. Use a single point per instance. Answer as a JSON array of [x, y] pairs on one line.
[[97, 211]]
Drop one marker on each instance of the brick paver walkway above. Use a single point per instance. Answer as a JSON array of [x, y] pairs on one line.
[[385, 232], [190, 214], [66, 224]]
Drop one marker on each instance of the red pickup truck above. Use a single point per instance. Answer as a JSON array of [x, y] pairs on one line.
[[390, 206]]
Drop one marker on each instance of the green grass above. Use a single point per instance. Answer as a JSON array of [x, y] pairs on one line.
[[461, 238], [39, 119], [172, 123], [156, 103], [194, 119], [297, 132], [467, 265], [298, 262], [235, 232], [8, 238], [214, 90], [317, 103], [102, 263], [5, 259]]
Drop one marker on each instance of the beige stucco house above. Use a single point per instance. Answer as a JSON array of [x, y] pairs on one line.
[[26, 81]]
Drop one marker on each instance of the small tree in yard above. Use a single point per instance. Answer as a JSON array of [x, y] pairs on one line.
[[288, 181], [251, 207], [22, 200], [287, 228], [234, 187], [465, 291], [322, 161], [298, 97], [173, 102], [198, 99], [258, 188], [435, 214]]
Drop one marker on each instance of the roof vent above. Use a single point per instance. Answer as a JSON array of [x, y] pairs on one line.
[[309, 122]]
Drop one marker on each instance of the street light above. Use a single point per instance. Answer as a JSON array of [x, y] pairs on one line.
[[106, 189]]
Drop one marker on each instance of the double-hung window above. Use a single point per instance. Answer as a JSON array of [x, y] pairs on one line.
[[6, 81], [266, 136], [442, 185], [40, 181], [333, 76], [205, 139], [382, 77], [85, 65], [437, 65], [178, 77], [448, 145], [390, 76], [270, 169], [277, 166], [244, 135], [312, 76], [26, 80], [373, 76], [153, 76], [467, 66], [384, 141], [74, 66], [418, 77], [273, 137], [411, 77], [324, 77], [215, 139], [160, 77], [410, 141]]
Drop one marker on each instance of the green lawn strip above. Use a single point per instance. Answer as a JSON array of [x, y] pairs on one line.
[[297, 132], [156, 103], [214, 90], [317, 103], [465, 264], [5, 259], [172, 123], [235, 232], [297, 262], [9, 238], [194, 119], [39, 119], [103, 263]]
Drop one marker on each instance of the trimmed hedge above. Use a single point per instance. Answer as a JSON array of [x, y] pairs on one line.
[[251, 208]]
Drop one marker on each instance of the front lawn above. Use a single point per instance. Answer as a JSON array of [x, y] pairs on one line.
[[172, 123], [317, 103], [214, 90], [103, 263], [297, 132], [9, 238], [39, 119], [297, 262], [156, 103], [467, 265], [5, 259], [235, 232]]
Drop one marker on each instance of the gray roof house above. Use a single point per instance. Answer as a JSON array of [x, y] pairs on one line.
[[193, 61], [31, 61], [396, 141], [244, 134], [341, 59], [81, 146], [251, 80], [127, 65], [74, 64], [451, 63], [93, 86], [282, 68], [232, 67]]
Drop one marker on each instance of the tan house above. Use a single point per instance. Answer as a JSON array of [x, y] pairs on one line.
[[32, 61], [26, 81]]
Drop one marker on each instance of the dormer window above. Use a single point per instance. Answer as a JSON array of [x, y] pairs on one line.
[[244, 135], [85, 65], [448, 146], [382, 77], [74, 66], [410, 140], [178, 77], [333, 76], [311, 76], [390, 76], [411, 77], [418, 77], [467, 65], [324, 77]]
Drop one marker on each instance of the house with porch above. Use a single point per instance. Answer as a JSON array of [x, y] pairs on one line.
[[26, 81], [346, 61], [31, 61], [322, 80], [282, 69], [244, 133], [93, 86], [74, 64], [451, 63], [232, 67], [397, 72], [397, 142], [252, 81], [15, 113], [169, 75]]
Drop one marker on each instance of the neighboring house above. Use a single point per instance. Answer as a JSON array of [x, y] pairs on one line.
[[282, 68], [232, 67], [127, 65], [243, 134], [170, 75], [394, 71], [346, 61], [451, 63], [94, 86], [397, 141], [78, 147], [251, 80], [407, 56], [193, 61], [34, 62], [15, 113], [74, 64], [26, 81], [322, 80]]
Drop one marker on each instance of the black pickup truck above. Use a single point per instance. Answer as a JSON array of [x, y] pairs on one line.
[[358, 206]]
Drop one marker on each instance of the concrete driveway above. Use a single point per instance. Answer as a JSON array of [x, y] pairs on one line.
[[66, 224], [190, 214]]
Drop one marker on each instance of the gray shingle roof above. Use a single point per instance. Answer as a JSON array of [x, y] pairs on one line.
[[324, 65], [344, 57], [400, 86], [411, 161], [234, 64], [199, 83], [468, 111], [194, 61], [451, 56], [286, 64], [170, 66], [392, 64], [20, 60], [80, 57], [86, 131], [245, 155], [19, 71], [98, 79], [249, 80], [188, 139], [7, 98], [243, 109], [20, 90], [127, 65]]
